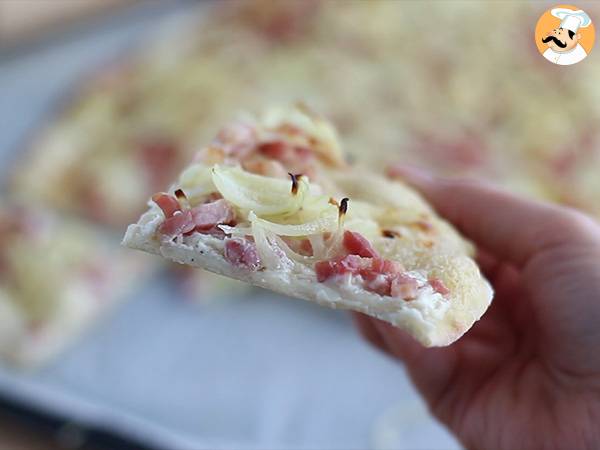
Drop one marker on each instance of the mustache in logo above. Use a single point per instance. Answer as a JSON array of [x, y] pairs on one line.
[[555, 40]]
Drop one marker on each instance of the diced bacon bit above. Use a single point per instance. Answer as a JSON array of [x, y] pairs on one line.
[[386, 266], [295, 158], [169, 204], [208, 215], [346, 264], [325, 270], [439, 286], [339, 266], [181, 222], [378, 283], [273, 150], [356, 244], [381, 276], [403, 286], [355, 264], [242, 253], [203, 218]]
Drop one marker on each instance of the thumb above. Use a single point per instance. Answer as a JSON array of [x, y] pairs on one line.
[[429, 368]]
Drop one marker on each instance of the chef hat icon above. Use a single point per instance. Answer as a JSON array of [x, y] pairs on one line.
[[570, 19]]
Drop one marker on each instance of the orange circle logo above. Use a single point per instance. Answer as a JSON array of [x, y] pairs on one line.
[[565, 35]]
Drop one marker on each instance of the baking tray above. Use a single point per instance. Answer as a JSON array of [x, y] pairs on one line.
[[253, 370]]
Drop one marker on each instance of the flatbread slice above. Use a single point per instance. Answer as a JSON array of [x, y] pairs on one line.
[[57, 277], [273, 203]]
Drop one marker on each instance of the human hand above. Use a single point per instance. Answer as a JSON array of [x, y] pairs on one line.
[[527, 375]]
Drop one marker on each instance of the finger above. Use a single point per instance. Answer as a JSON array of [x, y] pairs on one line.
[[400, 344], [367, 329], [487, 262], [510, 227], [431, 369]]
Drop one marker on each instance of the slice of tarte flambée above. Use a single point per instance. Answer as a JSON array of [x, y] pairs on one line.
[[57, 276], [272, 202]]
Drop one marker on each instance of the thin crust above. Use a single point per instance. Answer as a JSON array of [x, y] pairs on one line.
[[436, 251]]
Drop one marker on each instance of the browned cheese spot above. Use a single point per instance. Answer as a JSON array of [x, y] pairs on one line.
[[390, 234], [295, 178]]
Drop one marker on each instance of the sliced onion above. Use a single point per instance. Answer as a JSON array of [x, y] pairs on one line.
[[196, 182], [236, 231], [265, 196], [291, 253], [312, 209], [196, 175], [333, 245], [317, 242], [271, 255], [326, 223], [274, 252]]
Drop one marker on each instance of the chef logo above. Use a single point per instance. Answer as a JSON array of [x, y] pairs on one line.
[[564, 35]]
